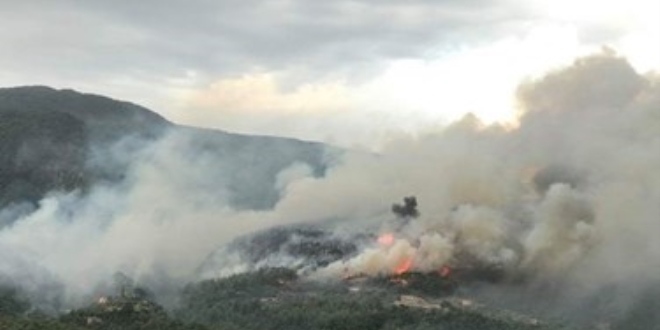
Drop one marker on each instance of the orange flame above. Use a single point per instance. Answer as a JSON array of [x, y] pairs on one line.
[[386, 239], [403, 267], [445, 271]]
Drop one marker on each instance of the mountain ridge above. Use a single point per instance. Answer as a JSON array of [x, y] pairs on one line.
[[62, 139]]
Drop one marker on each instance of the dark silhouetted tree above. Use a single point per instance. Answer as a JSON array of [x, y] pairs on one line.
[[408, 209]]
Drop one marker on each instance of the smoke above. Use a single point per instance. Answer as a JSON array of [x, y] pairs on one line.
[[562, 231], [568, 198], [566, 201], [174, 206]]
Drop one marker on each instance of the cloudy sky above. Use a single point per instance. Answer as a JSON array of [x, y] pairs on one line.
[[349, 72]]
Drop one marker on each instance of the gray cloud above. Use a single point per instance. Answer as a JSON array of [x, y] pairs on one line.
[[158, 53], [158, 39]]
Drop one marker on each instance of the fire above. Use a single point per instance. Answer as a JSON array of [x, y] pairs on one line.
[[386, 239], [444, 271], [403, 267]]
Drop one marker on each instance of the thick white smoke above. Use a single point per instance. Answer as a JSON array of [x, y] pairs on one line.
[[571, 194]]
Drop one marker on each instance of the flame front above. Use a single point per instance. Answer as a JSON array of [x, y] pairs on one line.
[[403, 267]]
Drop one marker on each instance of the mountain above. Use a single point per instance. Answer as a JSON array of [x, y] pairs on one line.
[[63, 140], [103, 117]]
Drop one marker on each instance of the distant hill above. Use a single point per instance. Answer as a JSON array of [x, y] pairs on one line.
[[103, 117], [62, 140]]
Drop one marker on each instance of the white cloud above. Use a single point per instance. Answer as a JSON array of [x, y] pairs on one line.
[[409, 95]]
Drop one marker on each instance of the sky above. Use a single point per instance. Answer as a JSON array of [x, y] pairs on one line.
[[353, 73]]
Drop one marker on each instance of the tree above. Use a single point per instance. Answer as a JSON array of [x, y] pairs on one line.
[[408, 209]]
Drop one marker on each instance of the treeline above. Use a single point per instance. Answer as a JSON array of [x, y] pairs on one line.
[[276, 299], [262, 300], [118, 313]]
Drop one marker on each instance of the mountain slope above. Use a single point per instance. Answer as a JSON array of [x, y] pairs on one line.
[[105, 118], [62, 140]]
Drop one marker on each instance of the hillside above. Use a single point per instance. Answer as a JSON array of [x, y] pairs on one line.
[[192, 214], [63, 140], [274, 298], [105, 118]]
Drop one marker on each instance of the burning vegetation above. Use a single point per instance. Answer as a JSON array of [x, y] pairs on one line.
[[409, 258]]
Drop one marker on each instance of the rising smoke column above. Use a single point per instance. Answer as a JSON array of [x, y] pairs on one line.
[[570, 195]]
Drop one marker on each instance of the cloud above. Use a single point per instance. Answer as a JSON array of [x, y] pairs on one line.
[[149, 52], [407, 97], [334, 111], [219, 37], [158, 53], [260, 93]]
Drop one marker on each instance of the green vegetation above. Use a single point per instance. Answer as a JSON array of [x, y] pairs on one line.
[[274, 299], [46, 139], [40, 152], [428, 284], [122, 313], [105, 118], [11, 302], [266, 299], [14, 313], [14, 323], [126, 312], [62, 140]]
